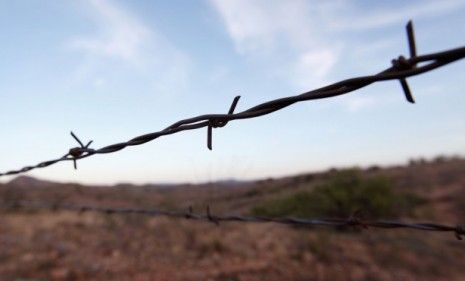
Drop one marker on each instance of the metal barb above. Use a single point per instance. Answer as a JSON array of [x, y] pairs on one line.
[[402, 64], [88, 144], [77, 152], [213, 123], [413, 53], [411, 39], [209, 137], [407, 92], [211, 218], [233, 105], [76, 138]]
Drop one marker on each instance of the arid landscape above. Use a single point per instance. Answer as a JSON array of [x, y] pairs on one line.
[[40, 245]]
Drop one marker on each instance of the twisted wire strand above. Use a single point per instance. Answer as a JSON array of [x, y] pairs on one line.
[[401, 69], [352, 221]]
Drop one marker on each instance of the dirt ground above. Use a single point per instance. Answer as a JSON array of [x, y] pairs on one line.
[[63, 245]]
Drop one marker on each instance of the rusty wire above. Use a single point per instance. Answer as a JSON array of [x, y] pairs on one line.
[[353, 221], [401, 69]]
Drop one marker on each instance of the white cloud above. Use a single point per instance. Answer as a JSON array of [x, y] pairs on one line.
[[268, 29], [312, 67], [121, 35], [257, 25]]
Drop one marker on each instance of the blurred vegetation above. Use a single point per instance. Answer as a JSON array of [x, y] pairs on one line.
[[345, 193]]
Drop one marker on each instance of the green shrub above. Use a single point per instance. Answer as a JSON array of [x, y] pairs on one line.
[[345, 193]]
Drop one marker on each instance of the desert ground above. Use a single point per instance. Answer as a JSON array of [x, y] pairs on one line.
[[40, 244]]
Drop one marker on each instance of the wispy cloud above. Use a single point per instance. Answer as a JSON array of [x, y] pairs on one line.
[[121, 35], [267, 28], [312, 67], [257, 25]]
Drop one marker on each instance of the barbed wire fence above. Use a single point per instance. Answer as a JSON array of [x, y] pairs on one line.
[[401, 69], [354, 220]]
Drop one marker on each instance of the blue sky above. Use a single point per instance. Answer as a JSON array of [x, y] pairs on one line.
[[110, 70]]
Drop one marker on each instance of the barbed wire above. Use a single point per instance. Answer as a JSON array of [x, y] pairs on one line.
[[353, 221], [401, 69]]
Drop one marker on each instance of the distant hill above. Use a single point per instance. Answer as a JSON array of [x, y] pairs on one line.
[[441, 179], [31, 182]]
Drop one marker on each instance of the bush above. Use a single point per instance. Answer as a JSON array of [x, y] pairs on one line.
[[345, 193]]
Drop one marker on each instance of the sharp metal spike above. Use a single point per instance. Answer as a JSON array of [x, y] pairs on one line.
[[233, 105], [209, 137], [407, 92], [88, 144], [411, 39], [77, 139]]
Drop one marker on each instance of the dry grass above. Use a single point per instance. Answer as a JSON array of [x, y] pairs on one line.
[[69, 246]]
